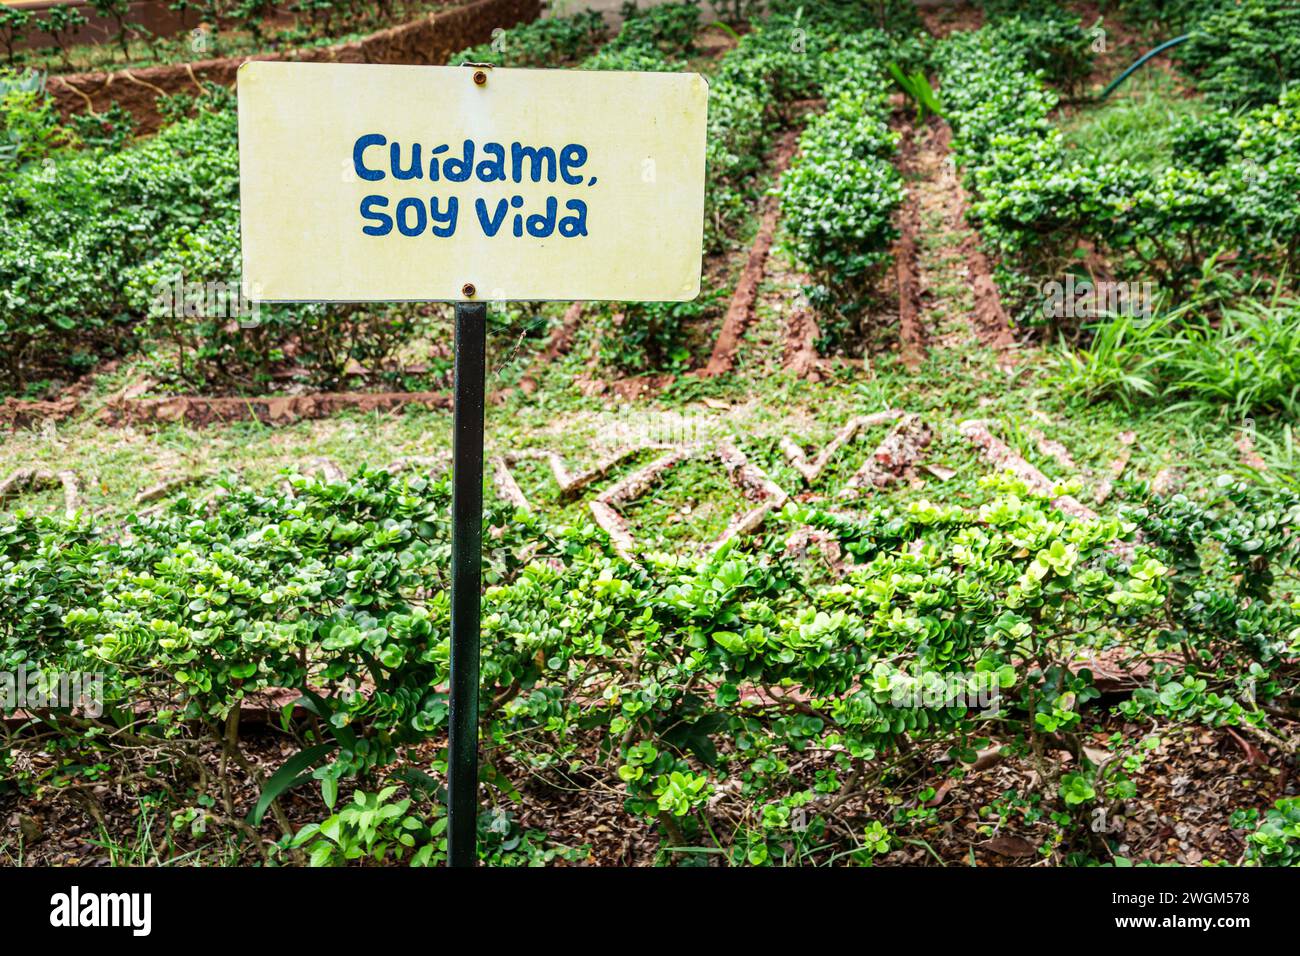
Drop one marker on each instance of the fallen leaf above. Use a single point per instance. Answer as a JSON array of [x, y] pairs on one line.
[[1011, 846]]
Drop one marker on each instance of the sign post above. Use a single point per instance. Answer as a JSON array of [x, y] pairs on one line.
[[466, 581], [367, 183]]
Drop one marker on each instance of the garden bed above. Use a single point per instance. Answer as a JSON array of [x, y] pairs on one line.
[[428, 40], [741, 617]]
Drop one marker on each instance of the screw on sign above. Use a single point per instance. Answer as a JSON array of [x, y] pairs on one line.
[[457, 183]]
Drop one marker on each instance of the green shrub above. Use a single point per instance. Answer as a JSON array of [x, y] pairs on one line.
[[322, 587], [738, 135], [60, 23], [553, 41], [319, 587], [647, 59], [838, 200], [840, 17], [1204, 142], [965, 599], [840, 192], [30, 130], [647, 335], [214, 98], [338, 590], [48, 566], [670, 27], [1024, 204], [773, 66], [1051, 40], [1228, 638], [71, 232], [112, 129], [1038, 203], [643, 336], [1243, 54], [119, 12], [1169, 17], [781, 59], [1263, 176], [15, 22], [229, 343], [89, 243]]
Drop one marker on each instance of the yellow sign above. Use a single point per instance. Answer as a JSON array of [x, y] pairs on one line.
[[389, 183]]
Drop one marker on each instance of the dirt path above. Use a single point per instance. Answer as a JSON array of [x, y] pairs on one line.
[[942, 18], [907, 268], [959, 299], [946, 294], [740, 312]]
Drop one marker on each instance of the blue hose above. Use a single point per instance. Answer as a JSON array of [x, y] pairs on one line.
[[1146, 56]]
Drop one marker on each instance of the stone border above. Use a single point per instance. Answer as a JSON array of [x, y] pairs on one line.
[[796, 457], [752, 481], [427, 41]]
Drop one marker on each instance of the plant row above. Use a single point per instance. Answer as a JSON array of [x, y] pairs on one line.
[[94, 243], [246, 25], [104, 249], [60, 23], [840, 196], [1227, 195], [675, 680], [841, 191], [1238, 54]]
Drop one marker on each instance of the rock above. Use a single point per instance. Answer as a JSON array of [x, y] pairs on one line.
[[30, 828]]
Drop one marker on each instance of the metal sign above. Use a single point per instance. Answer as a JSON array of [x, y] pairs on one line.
[[389, 183]]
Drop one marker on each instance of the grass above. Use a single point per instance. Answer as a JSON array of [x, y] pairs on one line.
[[1136, 124], [691, 505], [1119, 363], [955, 384], [1280, 453], [1246, 363], [149, 843], [755, 408]]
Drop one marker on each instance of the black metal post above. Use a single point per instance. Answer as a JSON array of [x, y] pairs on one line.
[[466, 579]]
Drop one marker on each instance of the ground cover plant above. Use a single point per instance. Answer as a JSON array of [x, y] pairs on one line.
[[1013, 587]]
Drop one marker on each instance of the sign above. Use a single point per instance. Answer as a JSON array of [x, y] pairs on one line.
[[391, 183], [468, 184]]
